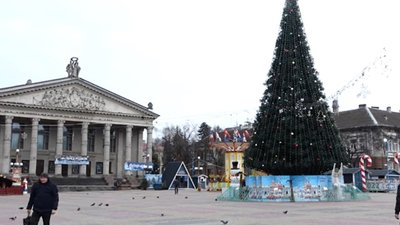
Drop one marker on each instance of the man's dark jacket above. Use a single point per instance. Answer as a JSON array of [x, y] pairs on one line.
[[397, 208], [44, 197]]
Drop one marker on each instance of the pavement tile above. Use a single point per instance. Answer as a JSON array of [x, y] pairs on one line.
[[192, 207]]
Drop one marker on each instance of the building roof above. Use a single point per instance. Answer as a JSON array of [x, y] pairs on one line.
[[366, 117], [73, 90]]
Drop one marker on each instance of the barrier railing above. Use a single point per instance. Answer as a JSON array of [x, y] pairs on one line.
[[382, 185]]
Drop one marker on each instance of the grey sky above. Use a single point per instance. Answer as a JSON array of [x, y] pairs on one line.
[[199, 60]]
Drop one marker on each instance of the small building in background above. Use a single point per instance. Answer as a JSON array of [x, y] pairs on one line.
[[234, 142], [371, 131]]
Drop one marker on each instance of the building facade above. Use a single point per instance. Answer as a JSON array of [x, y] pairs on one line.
[[371, 131], [71, 117]]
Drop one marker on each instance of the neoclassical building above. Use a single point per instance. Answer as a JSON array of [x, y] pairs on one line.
[[70, 117]]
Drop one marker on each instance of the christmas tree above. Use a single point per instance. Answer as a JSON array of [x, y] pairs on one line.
[[294, 132]]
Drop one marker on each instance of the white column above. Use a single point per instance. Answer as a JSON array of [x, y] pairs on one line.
[[128, 146], [120, 154], [59, 144], [7, 145], [33, 152], [149, 142], [140, 146], [84, 143], [106, 161], [128, 143]]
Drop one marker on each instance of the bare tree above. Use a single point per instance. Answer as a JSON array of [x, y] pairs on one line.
[[177, 143]]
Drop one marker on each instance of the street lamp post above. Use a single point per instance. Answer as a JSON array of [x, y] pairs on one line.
[[17, 162], [147, 162], [16, 169], [198, 165], [198, 173], [147, 169]]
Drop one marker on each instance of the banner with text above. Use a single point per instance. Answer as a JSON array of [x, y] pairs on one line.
[[137, 166], [72, 160]]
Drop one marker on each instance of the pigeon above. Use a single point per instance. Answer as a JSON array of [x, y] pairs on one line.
[[78, 209], [21, 207], [224, 222], [285, 212], [93, 204], [100, 204], [186, 197], [162, 214], [144, 197], [13, 218], [107, 204], [133, 197]]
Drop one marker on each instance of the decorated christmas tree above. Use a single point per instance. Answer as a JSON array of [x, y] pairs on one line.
[[294, 132]]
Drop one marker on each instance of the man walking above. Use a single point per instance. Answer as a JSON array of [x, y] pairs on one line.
[[176, 185], [397, 206], [44, 199]]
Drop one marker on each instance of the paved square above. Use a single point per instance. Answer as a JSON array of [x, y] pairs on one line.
[[191, 207]]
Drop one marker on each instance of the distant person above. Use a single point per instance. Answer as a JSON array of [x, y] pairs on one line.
[[44, 199], [397, 207], [243, 183], [176, 185]]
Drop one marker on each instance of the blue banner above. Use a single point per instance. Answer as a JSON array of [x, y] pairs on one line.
[[137, 166], [72, 160]]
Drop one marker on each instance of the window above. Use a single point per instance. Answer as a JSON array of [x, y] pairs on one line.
[[75, 169], [91, 140], [43, 138], [25, 166], [113, 141], [67, 139], [99, 167], [51, 169], [17, 136]]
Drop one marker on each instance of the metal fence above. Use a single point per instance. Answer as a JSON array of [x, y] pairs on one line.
[[382, 185]]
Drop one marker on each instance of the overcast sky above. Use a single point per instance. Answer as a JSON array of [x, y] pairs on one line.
[[200, 61]]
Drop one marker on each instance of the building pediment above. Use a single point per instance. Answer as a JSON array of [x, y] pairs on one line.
[[72, 93], [70, 97]]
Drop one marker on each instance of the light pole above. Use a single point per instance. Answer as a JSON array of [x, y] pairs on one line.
[[147, 163], [198, 174], [147, 159], [17, 162], [16, 169], [198, 165]]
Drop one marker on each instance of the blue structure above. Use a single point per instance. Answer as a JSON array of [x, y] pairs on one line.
[[293, 188]]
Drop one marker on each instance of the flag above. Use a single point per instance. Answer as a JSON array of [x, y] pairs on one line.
[[246, 133], [236, 133], [217, 137], [244, 138], [226, 133]]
